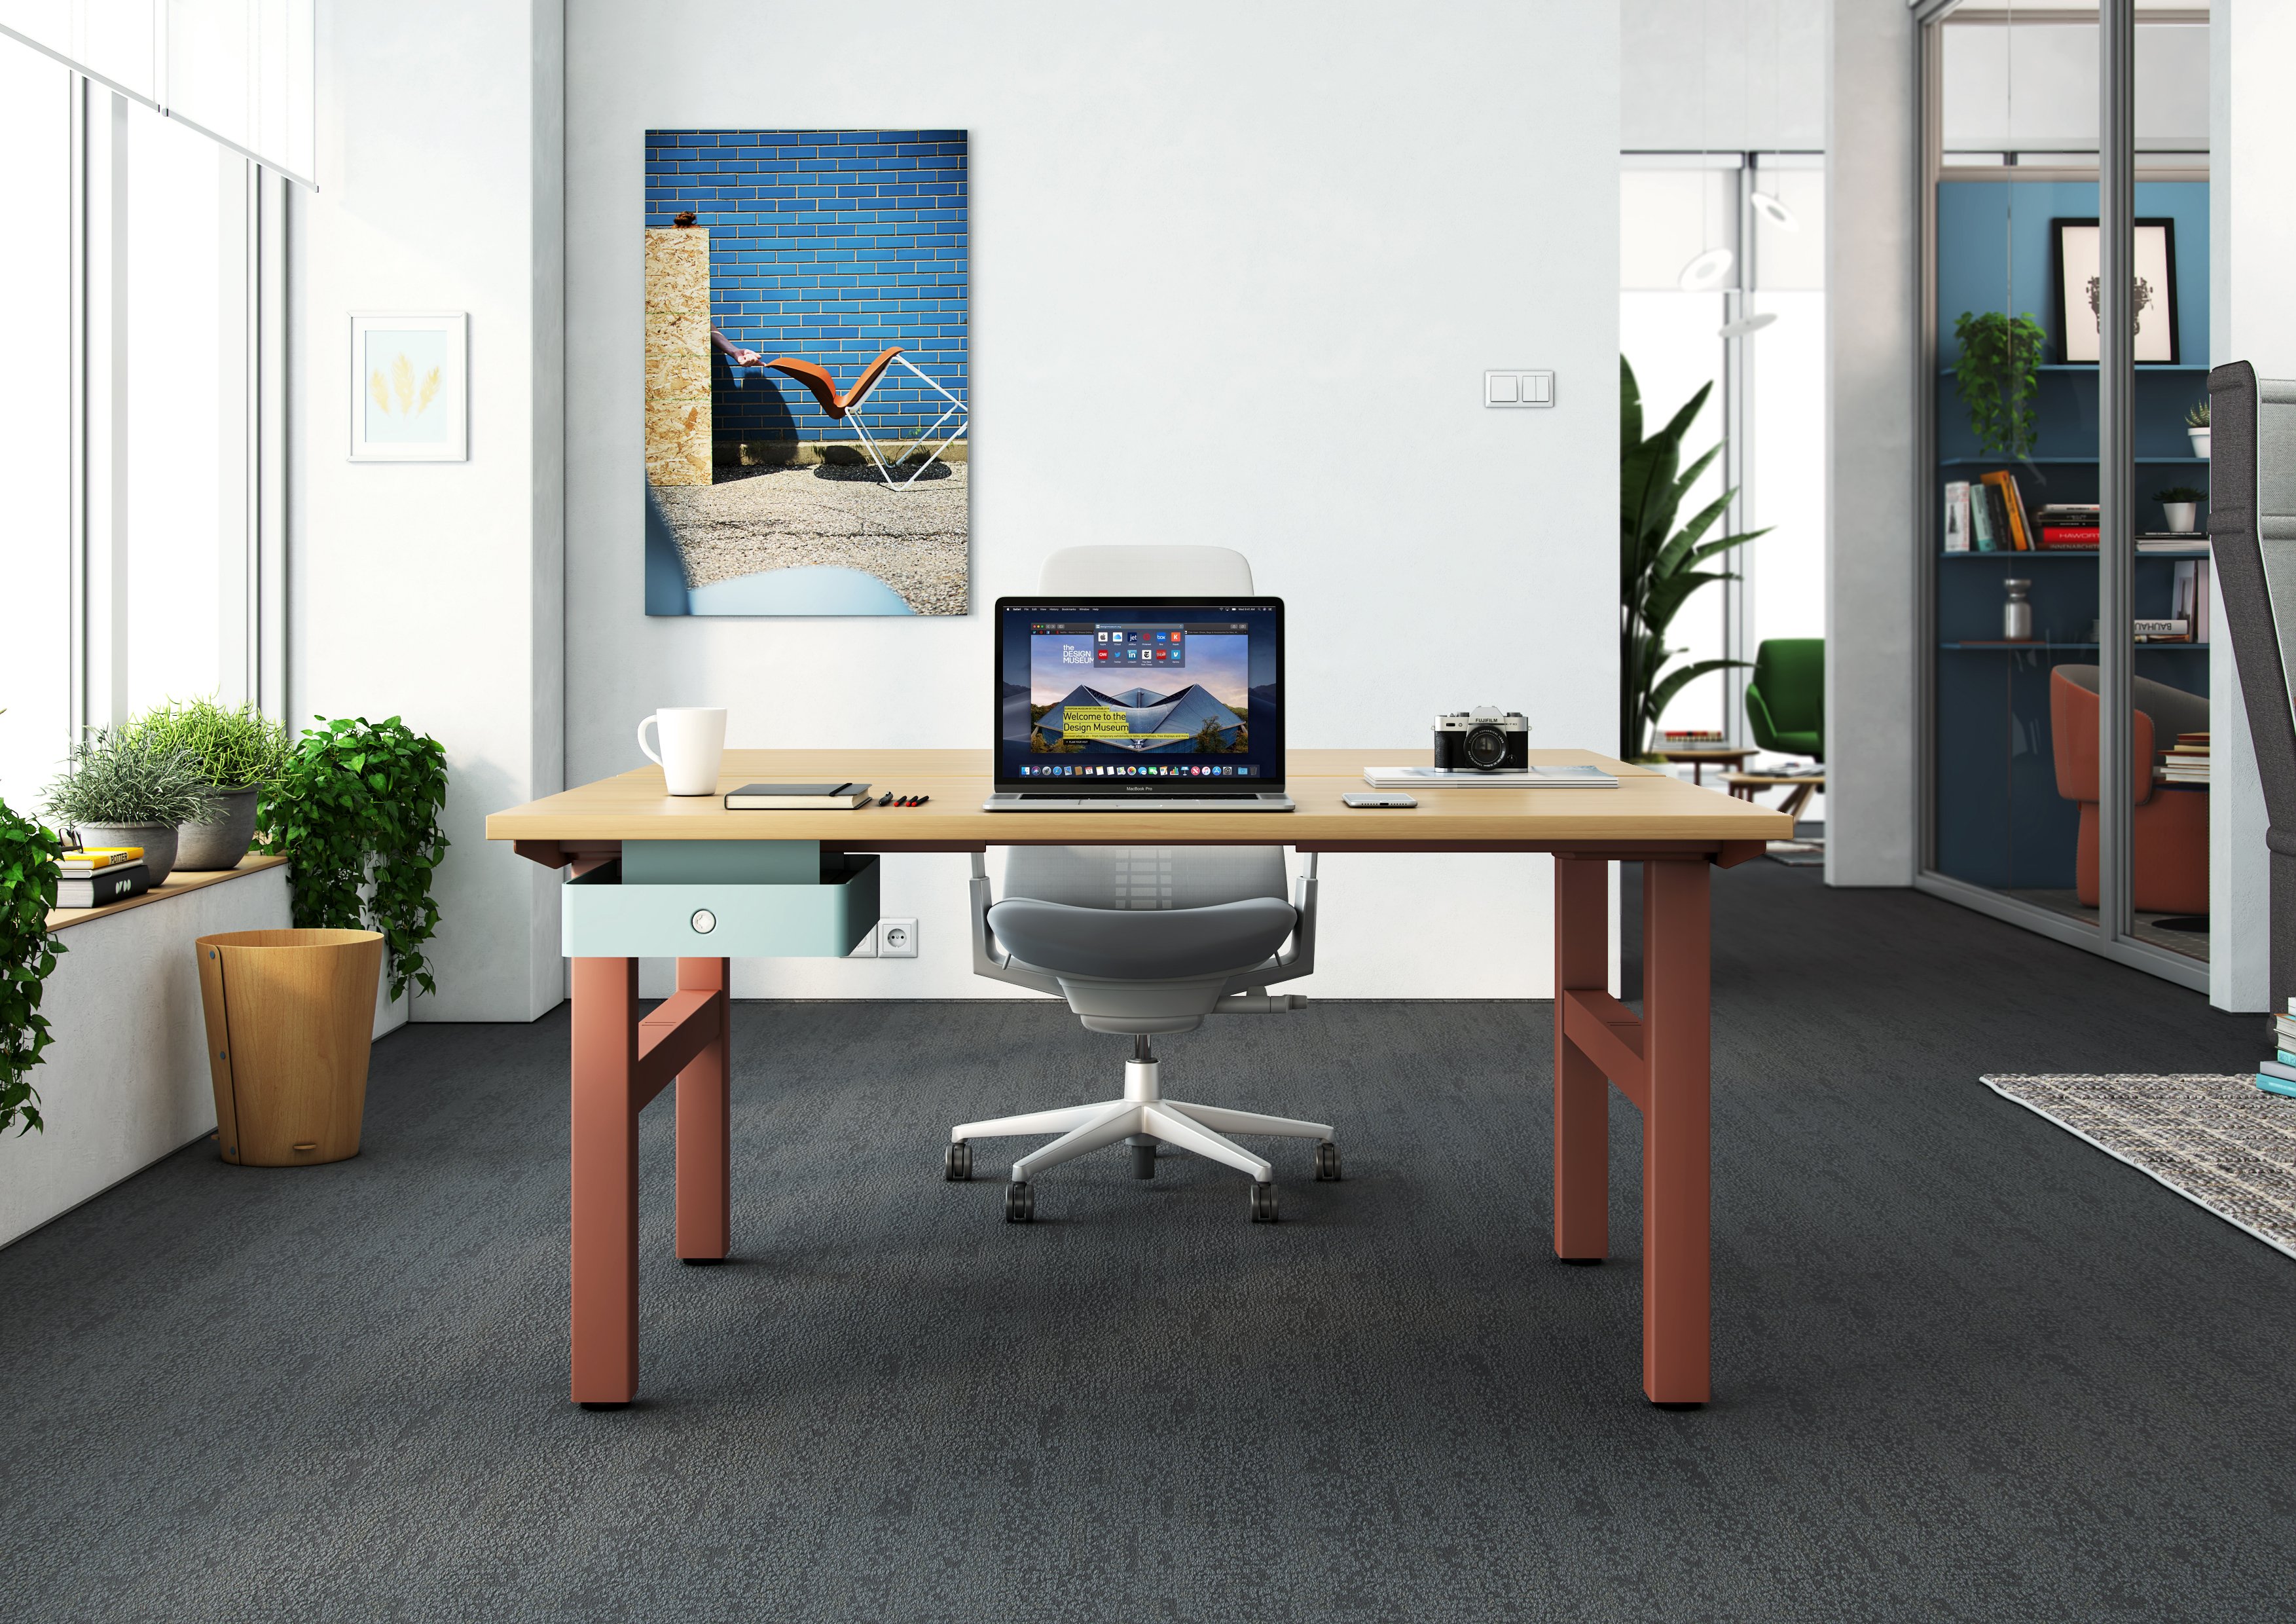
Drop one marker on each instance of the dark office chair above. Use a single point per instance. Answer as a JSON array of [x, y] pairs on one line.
[[1785, 700], [2253, 534]]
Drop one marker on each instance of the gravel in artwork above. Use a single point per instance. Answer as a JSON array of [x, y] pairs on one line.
[[2220, 1142]]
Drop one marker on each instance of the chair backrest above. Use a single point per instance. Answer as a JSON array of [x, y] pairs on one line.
[[1791, 673], [1118, 877], [1115, 572]]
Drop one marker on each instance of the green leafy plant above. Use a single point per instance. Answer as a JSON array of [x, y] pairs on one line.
[[28, 953], [236, 747], [355, 811], [1657, 564], [2181, 493], [118, 777], [2196, 416], [1999, 375]]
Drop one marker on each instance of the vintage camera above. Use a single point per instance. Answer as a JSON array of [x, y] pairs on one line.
[[1484, 740]]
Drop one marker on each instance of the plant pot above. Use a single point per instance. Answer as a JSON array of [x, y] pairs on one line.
[[158, 841], [2181, 515], [289, 1022], [204, 848], [2200, 441]]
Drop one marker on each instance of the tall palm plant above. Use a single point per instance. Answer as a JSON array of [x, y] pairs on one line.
[[1658, 564]]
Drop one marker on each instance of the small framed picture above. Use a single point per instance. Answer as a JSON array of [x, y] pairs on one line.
[[2078, 282], [409, 387]]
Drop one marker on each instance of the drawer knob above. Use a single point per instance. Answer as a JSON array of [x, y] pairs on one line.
[[704, 922]]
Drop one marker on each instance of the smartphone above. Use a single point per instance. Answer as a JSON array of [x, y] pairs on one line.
[[1386, 798]]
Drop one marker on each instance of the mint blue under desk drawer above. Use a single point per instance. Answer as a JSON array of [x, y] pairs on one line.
[[605, 918]]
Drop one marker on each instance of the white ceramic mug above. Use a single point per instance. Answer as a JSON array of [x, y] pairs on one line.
[[693, 746]]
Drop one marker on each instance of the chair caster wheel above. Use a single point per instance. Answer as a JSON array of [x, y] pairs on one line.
[[960, 1163], [1020, 1203], [1327, 1160], [1143, 1161], [1263, 1203]]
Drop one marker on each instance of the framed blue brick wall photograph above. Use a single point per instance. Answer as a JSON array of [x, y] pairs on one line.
[[808, 373]]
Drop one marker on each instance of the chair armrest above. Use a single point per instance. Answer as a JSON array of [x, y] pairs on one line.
[[988, 959]]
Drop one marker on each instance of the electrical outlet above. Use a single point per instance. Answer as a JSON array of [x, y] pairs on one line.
[[896, 938]]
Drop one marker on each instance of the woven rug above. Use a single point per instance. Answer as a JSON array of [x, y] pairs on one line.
[[2220, 1142]]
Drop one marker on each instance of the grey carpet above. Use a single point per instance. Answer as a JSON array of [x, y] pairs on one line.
[[1966, 1367]]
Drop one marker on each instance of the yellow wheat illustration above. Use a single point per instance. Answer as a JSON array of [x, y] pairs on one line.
[[380, 391], [429, 392], [402, 382]]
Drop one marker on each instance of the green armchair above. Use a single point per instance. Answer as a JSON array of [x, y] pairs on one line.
[[1785, 701]]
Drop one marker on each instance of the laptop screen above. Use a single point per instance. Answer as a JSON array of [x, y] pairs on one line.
[[1140, 695]]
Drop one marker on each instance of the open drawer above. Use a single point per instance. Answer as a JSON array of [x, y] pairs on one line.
[[825, 917]]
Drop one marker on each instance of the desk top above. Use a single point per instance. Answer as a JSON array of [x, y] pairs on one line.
[[1648, 809]]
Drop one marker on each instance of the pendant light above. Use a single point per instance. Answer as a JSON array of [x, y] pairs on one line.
[[1769, 205], [1745, 325], [1710, 269]]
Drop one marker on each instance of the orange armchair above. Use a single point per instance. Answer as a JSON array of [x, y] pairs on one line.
[[2171, 832]]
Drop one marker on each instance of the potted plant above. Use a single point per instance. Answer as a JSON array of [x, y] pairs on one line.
[[239, 750], [1997, 373], [2196, 425], [119, 789], [28, 953], [1658, 564], [2181, 505], [354, 808]]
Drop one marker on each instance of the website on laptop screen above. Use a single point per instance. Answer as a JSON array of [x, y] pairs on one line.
[[1175, 694]]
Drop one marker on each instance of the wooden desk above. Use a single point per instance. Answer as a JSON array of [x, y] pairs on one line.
[[1660, 1061]]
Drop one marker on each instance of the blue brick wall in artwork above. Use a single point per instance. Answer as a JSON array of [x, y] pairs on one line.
[[829, 245]]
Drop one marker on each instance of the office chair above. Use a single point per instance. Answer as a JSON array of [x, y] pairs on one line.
[[1143, 940]]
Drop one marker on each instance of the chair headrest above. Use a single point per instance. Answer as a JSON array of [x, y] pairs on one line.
[[1117, 572]]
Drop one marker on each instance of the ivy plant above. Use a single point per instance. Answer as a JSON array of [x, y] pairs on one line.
[[28, 953], [1998, 376], [355, 811]]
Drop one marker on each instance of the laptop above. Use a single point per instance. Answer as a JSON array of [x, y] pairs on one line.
[[1164, 704]]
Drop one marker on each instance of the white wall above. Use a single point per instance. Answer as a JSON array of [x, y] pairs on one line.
[[1722, 74], [1872, 291], [431, 590], [126, 1082], [2251, 239], [1190, 224]]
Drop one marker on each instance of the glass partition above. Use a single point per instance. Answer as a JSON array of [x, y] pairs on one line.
[[2021, 785]]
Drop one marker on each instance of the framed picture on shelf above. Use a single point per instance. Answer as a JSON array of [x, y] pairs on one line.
[[2078, 284], [409, 387]]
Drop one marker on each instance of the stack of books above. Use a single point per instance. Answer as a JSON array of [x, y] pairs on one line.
[[2188, 760], [2278, 1074], [2069, 527], [1693, 738], [94, 876]]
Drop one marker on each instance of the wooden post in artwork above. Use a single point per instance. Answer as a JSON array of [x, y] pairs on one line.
[[677, 418]]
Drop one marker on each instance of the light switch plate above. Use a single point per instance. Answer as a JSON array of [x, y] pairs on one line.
[[1515, 388]]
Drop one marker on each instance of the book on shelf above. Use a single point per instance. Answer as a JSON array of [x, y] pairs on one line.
[[88, 859], [2008, 507], [1956, 516], [2068, 538], [1981, 520], [2162, 628], [2069, 513], [92, 891], [2172, 541]]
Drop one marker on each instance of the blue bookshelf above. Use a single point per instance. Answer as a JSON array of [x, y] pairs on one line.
[[1999, 820]]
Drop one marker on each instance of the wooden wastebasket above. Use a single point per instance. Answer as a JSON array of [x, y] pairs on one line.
[[290, 1020]]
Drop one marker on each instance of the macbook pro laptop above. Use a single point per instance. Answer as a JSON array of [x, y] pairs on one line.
[[1167, 704]]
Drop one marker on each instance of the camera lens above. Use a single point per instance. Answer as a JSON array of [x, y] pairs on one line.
[[1485, 748]]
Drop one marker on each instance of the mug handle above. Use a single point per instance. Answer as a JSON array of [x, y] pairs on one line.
[[651, 720]]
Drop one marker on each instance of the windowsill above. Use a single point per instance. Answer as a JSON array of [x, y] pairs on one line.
[[179, 885]]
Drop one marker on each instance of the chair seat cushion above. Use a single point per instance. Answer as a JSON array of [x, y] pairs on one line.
[[1148, 945]]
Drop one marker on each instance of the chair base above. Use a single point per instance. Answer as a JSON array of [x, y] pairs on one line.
[[1142, 1114]]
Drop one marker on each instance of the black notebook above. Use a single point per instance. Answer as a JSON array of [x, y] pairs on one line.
[[795, 797]]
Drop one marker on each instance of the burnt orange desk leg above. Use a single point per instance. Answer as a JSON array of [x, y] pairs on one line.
[[1582, 1096], [605, 1180], [705, 1127], [1678, 1209]]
